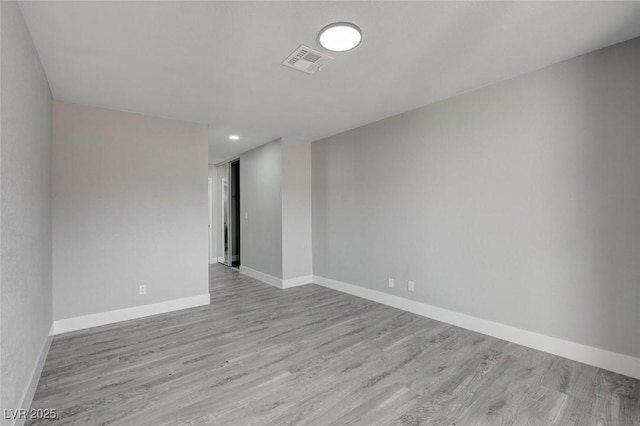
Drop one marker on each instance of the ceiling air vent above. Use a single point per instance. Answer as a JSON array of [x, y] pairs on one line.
[[306, 59]]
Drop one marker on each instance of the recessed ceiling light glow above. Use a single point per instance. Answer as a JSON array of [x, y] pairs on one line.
[[234, 137], [340, 36]]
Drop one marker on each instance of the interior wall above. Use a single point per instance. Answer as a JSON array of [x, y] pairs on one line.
[[517, 203], [25, 210], [296, 208], [130, 208], [261, 201]]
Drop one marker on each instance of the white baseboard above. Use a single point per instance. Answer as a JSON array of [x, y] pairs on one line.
[[30, 390], [261, 276], [297, 281], [274, 281], [103, 318], [596, 357], [213, 260]]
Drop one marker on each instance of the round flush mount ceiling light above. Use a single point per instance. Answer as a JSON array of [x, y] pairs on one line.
[[234, 137], [340, 36]]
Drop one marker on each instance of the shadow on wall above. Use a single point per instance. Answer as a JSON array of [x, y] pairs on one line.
[[610, 161]]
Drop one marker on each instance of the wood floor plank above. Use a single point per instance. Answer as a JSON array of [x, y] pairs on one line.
[[310, 355]]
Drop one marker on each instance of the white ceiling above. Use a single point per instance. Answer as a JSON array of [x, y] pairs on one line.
[[219, 62]]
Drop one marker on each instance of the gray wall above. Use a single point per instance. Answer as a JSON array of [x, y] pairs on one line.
[[129, 208], [296, 208], [25, 207], [518, 203], [261, 199]]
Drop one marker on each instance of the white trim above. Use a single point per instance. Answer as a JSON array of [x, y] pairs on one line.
[[210, 183], [213, 260], [297, 281], [613, 361], [261, 276], [274, 281], [103, 318], [30, 390]]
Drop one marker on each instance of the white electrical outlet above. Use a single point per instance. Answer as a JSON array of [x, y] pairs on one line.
[[411, 286], [143, 289], [391, 283]]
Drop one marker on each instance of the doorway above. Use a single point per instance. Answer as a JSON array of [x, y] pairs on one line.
[[234, 211], [229, 213]]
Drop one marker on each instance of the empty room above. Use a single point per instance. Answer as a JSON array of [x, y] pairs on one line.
[[319, 213]]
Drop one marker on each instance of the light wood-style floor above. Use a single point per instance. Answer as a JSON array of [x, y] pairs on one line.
[[309, 355]]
